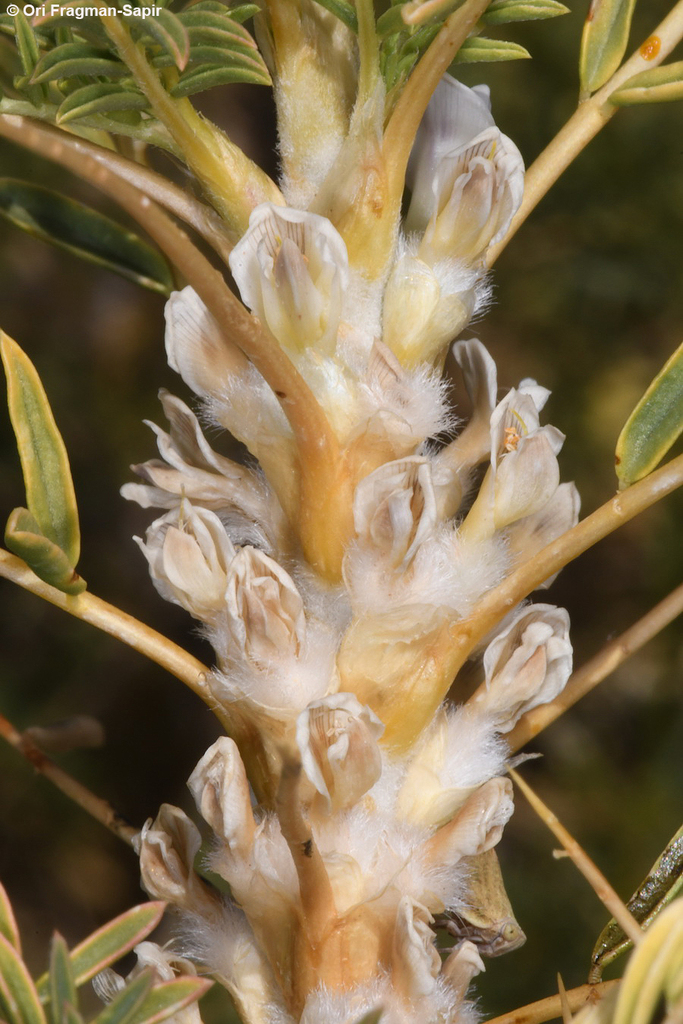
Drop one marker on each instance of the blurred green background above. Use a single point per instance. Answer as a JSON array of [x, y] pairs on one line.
[[588, 301]]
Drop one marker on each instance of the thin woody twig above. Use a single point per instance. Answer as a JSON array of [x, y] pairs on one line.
[[598, 668], [595, 527], [604, 891], [592, 115], [95, 806], [117, 623], [551, 1008], [411, 105], [41, 140]]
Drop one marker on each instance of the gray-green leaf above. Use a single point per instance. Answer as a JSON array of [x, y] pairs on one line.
[[100, 98], [62, 984], [501, 12], [19, 1003], [24, 538], [26, 43], [109, 943], [45, 464], [169, 31], [654, 425], [207, 76], [168, 998], [8, 924], [85, 232], [479, 49], [127, 1003], [71, 59], [659, 85], [604, 41]]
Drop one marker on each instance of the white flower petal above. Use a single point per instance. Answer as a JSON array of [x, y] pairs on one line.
[[291, 268], [195, 346], [337, 737], [527, 664], [221, 792]]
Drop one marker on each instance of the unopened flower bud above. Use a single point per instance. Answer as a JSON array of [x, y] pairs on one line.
[[264, 608], [189, 553], [337, 738], [455, 756], [420, 314], [291, 268], [526, 665], [394, 509], [168, 847], [221, 792]]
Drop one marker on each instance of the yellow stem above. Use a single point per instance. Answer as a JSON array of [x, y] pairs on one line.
[[369, 51], [551, 1008], [70, 787], [412, 103], [604, 891], [117, 623], [465, 635], [598, 668], [592, 115], [235, 184]]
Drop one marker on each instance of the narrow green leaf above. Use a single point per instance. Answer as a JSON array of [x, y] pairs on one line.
[[195, 18], [19, 1001], [391, 22], [244, 11], [604, 41], [29, 53], [76, 59], [45, 464], [502, 12], [207, 76], [480, 49], [84, 232], [62, 984], [72, 1016], [660, 85], [24, 538], [663, 882], [224, 40], [8, 924], [169, 31], [222, 56], [654, 425], [168, 998], [128, 1002], [109, 943], [342, 10], [26, 42], [101, 98]]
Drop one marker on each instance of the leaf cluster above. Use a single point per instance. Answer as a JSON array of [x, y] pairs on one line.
[[53, 998], [69, 71]]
